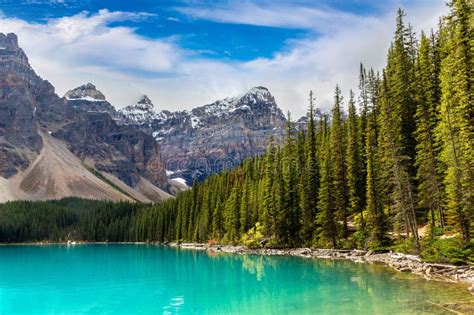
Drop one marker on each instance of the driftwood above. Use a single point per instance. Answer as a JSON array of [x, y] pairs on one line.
[[444, 307]]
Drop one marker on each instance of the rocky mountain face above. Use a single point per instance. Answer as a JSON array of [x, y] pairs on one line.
[[19, 138], [209, 138], [196, 143], [34, 122], [89, 99]]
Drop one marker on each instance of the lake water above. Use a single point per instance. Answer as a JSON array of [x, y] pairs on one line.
[[141, 279]]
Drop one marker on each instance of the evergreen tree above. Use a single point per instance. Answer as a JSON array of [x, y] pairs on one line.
[[279, 223], [400, 187], [232, 216], [338, 163], [309, 178], [327, 230], [376, 218], [401, 82], [218, 222], [354, 158], [269, 204], [429, 183], [364, 111], [455, 129], [245, 213], [290, 210]]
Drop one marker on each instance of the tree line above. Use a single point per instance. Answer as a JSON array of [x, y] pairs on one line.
[[67, 219], [396, 156]]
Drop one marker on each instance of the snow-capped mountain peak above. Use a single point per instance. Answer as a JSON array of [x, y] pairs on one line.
[[143, 112], [259, 93], [88, 98], [86, 92], [225, 131], [247, 102], [145, 103]]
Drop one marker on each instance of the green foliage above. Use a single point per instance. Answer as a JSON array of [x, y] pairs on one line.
[[338, 166], [403, 246], [60, 220], [354, 162], [254, 237], [327, 227], [448, 250], [455, 130], [428, 169], [309, 179]]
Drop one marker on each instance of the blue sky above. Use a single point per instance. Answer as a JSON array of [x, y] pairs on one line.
[[188, 53], [208, 38]]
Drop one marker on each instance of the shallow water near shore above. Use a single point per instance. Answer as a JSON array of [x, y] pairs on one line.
[[148, 279]]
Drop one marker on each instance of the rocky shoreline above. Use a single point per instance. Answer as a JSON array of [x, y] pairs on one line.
[[397, 261]]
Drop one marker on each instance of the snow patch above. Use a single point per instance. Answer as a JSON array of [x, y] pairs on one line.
[[194, 121], [85, 98], [180, 180]]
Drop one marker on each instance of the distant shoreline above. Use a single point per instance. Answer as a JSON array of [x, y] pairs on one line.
[[397, 261]]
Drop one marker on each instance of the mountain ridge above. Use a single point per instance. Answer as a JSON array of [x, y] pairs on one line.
[[205, 139], [31, 111]]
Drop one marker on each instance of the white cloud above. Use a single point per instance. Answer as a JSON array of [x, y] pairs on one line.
[[332, 58], [73, 50], [275, 14]]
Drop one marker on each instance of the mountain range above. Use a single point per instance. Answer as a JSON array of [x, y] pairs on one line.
[[49, 149], [200, 141], [81, 145]]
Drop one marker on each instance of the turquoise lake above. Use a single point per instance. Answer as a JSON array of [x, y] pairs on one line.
[[147, 279]]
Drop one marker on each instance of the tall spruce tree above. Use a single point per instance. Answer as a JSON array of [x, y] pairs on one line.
[[310, 178], [429, 180], [218, 221], [354, 161], [245, 205], [290, 209], [279, 224], [327, 227], [338, 163], [232, 215], [376, 218], [269, 203], [399, 182], [455, 130], [400, 78], [364, 111]]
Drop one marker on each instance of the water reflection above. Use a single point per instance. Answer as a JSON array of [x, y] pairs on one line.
[[128, 279], [173, 306], [254, 265]]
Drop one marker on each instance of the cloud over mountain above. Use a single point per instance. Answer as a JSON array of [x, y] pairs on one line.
[[104, 47]]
